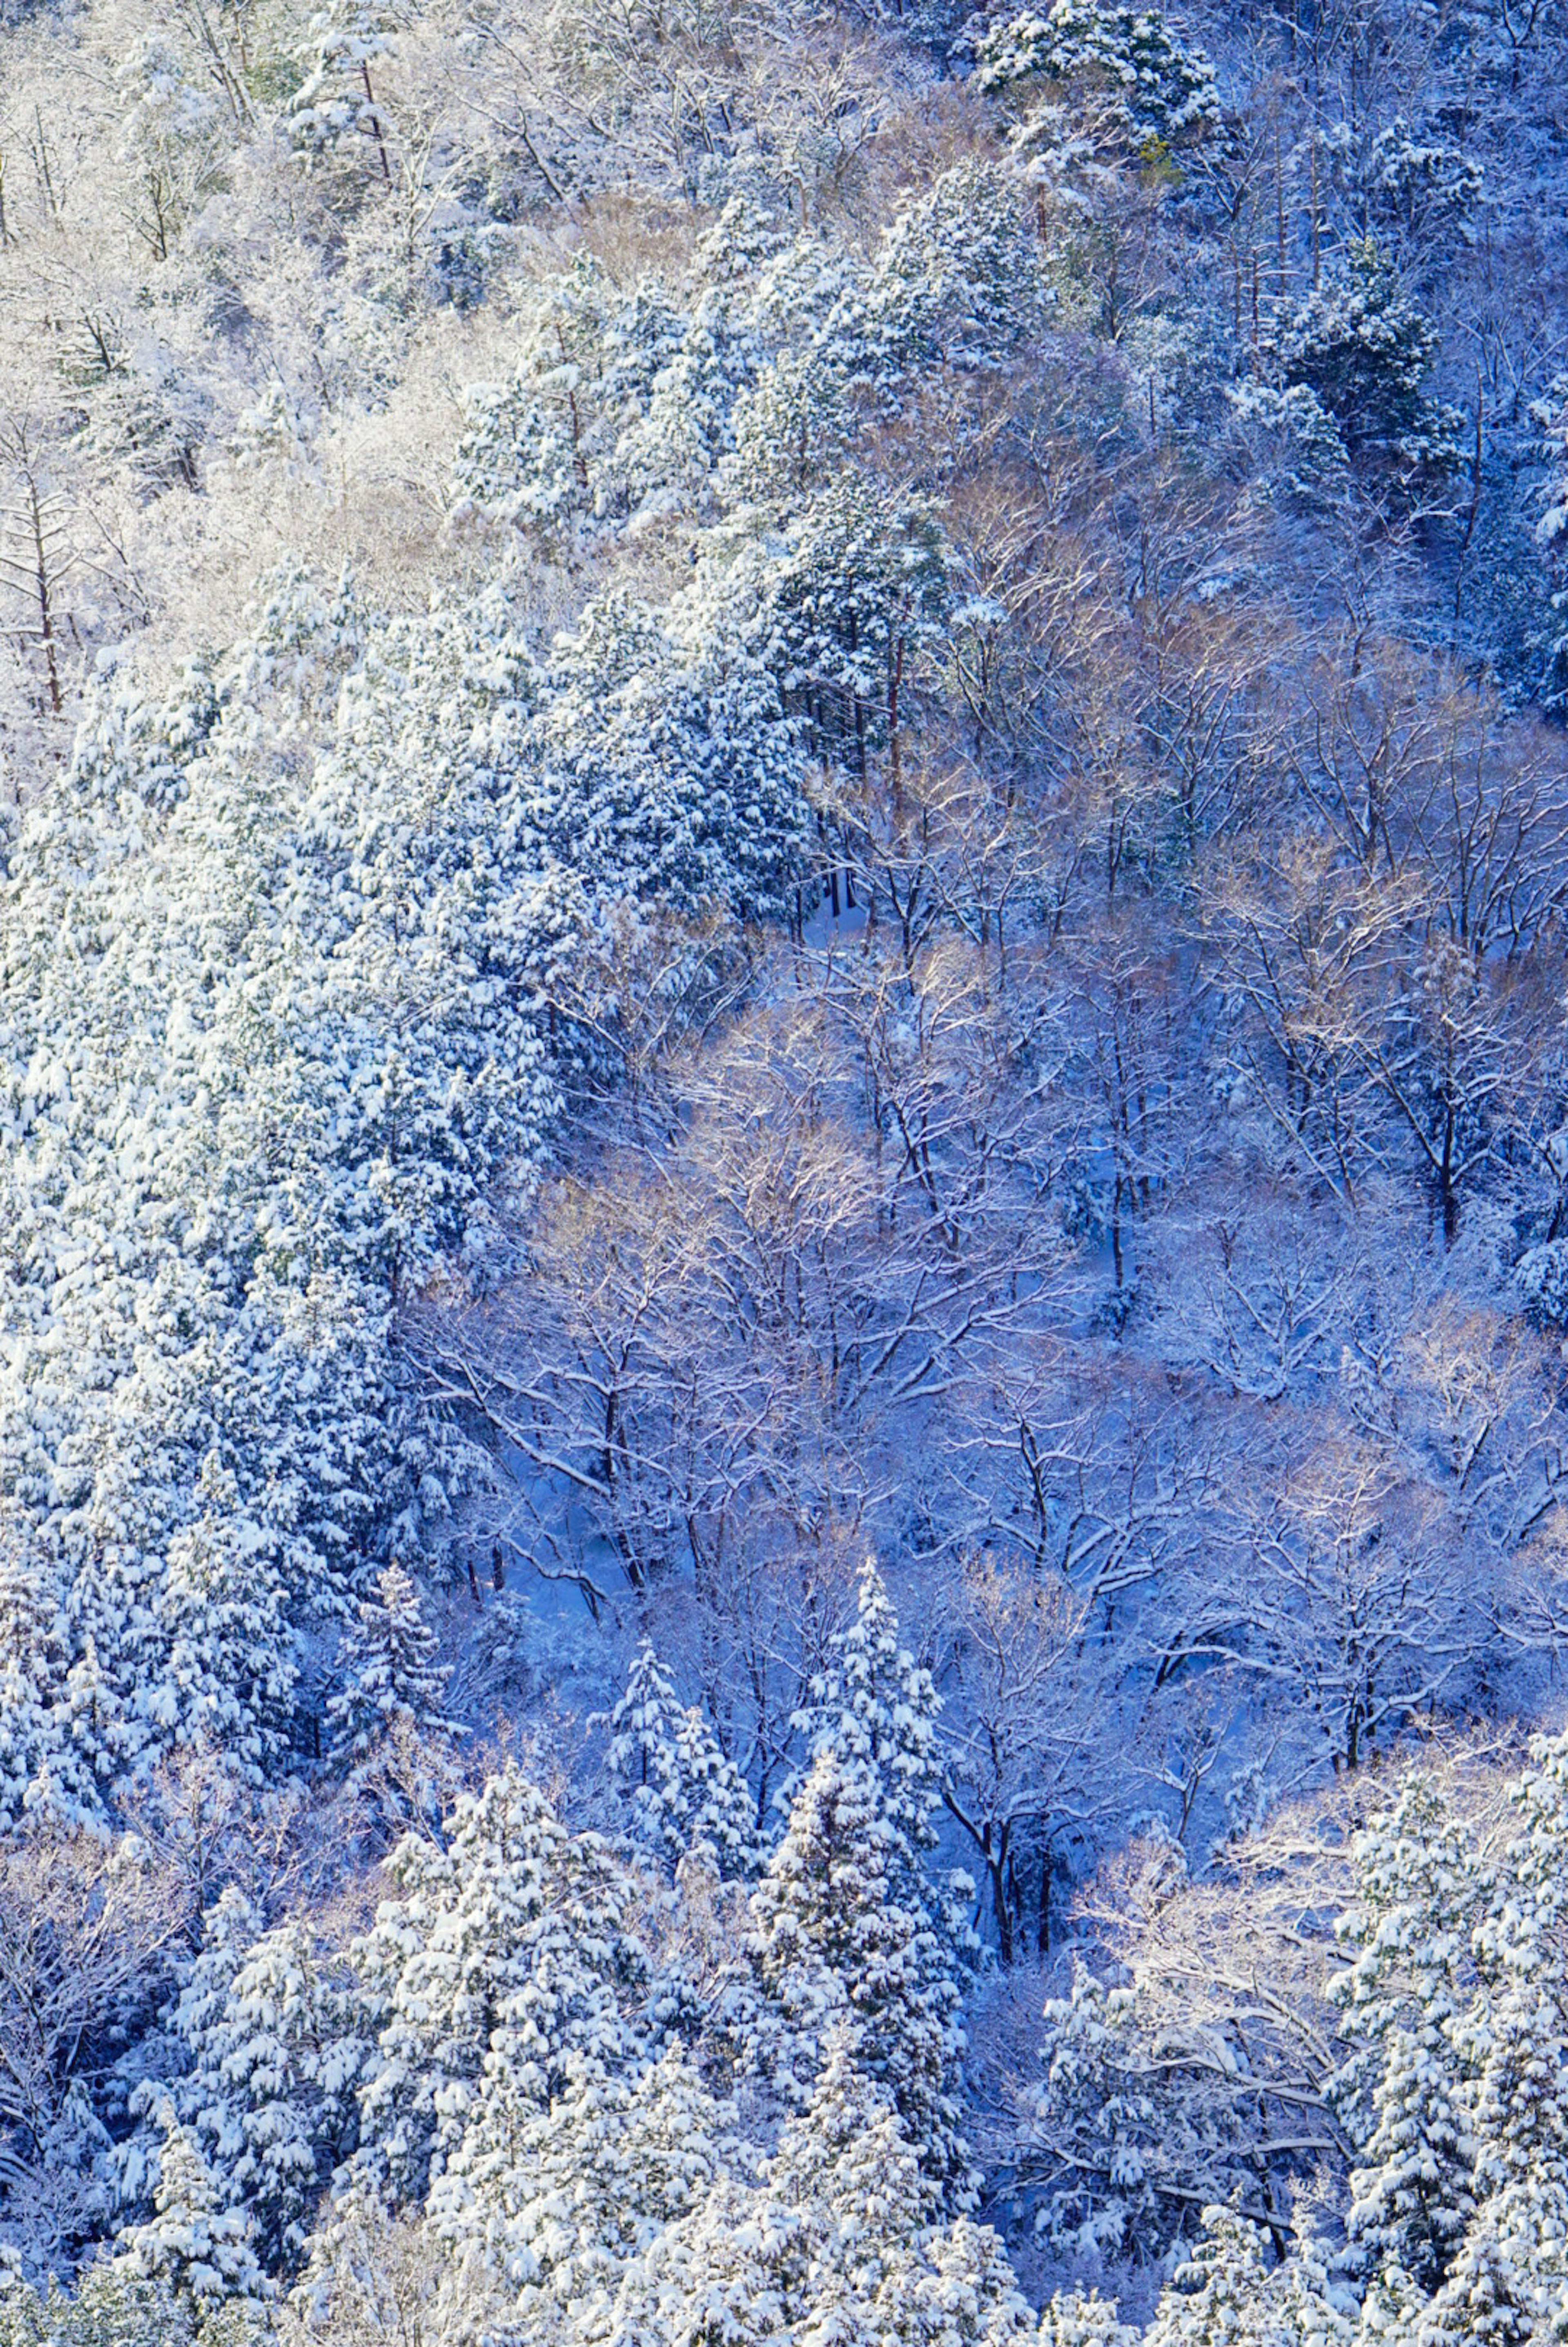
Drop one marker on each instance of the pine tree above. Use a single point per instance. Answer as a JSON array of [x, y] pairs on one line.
[[669, 770], [872, 1703], [1124, 74], [1073, 2318], [1366, 354], [735, 2271], [510, 1953], [201, 2099], [1222, 2295], [666, 455], [957, 283], [831, 1944], [883, 2265], [336, 104], [547, 2208], [390, 1676], [229, 1674], [1508, 2275], [271, 2090], [851, 602], [197, 2246], [1550, 417], [33, 1640], [1405, 2098], [684, 1791], [875, 1710]]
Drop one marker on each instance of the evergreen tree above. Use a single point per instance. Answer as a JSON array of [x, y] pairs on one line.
[[1406, 2096], [668, 766], [32, 1644], [336, 104], [684, 1791], [831, 1944], [851, 602], [872, 1703], [1508, 2276], [390, 1676], [1077, 2319], [547, 2207], [1366, 355], [196, 2246], [876, 1708], [229, 1674], [1122, 72], [510, 1953], [956, 283], [1550, 416], [271, 2092], [1222, 2294]]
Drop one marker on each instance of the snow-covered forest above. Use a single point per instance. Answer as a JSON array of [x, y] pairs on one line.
[[784, 1206]]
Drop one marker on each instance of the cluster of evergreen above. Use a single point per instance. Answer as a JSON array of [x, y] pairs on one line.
[[781, 780]]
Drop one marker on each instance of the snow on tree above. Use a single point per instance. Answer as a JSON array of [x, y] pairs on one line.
[[738, 2266], [956, 283], [847, 602], [1222, 2291], [510, 1951], [875, 1704], [336, 103], [1506, 2277], [834, 2238], [1083, 2319], [1358, 345], [200, 2099], [1419, 184], [667, 761], [115, 2305], [199, 2249], [1123, 73], [1550, 416], [670, 447], [390, 1672], [839, 1936], [684, 1793], [274, 2032], [228, 1676], [33, 1639], [532, 448], [875, 1710], [883, 2263], [540, 447], [545, 2209], [372, 2273], [1405, 2096]]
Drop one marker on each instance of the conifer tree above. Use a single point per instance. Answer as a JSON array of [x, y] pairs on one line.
[[1125, 73], [32, 1645], [685, 1792], [336, 102], [1550, 416], [832, 1944], [1079, 2319], [1366, 354], [510, 1953], [547, 2208], [390, 1675], [272, 2091], [197, 2246], [229, 1674], [873, 1703], [1406, 2096], [1507, 2276], [1222, 2293]]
